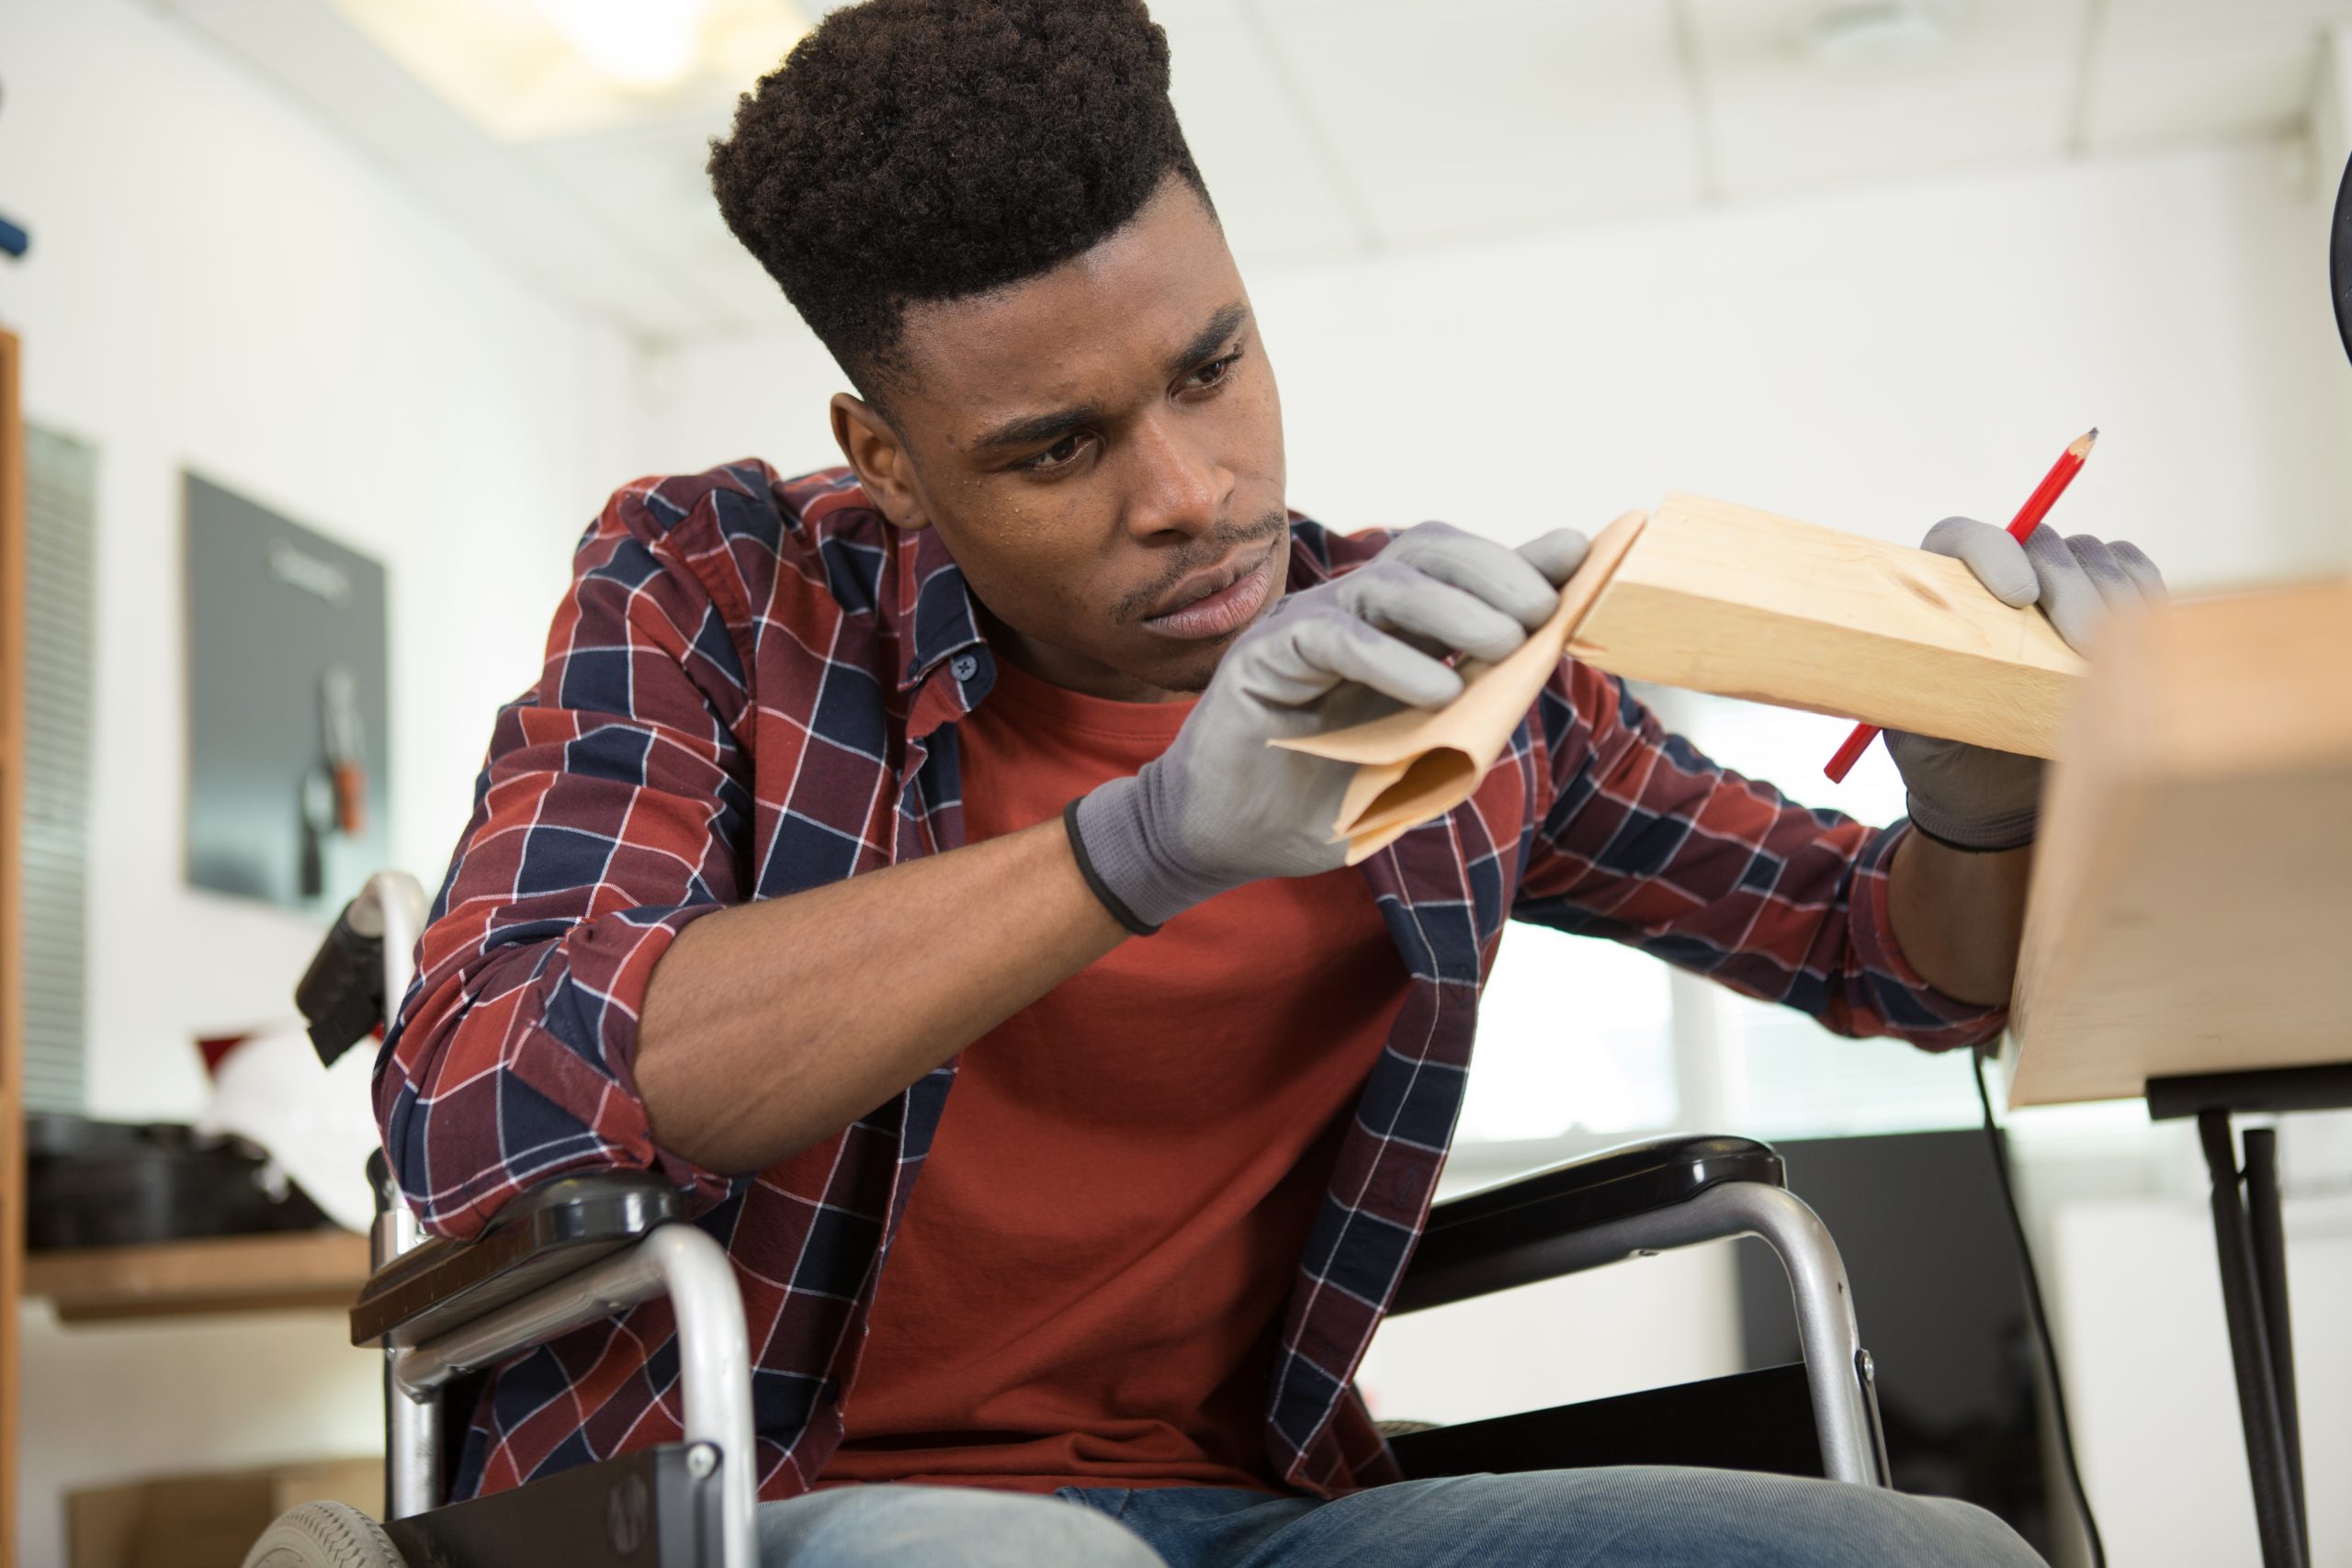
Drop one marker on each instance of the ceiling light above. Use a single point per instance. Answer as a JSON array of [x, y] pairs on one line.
[[529, 69], [1866, 33], [638, 43]]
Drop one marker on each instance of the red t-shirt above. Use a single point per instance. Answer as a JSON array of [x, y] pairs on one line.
[[1088, 1284]]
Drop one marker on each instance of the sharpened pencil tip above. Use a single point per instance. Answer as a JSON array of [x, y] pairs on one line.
[[2081, 446]]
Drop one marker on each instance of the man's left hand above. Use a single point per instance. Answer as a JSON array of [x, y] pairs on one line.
[[1972, 797]]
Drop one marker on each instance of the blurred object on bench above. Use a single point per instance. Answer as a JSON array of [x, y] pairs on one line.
[[316, 1122], [116, 1184]]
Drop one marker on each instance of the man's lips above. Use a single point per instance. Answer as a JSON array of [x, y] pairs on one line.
[[1218, 598], [1207, 580]]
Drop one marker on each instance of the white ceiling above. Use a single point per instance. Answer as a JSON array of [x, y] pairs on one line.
[[1329, 128]]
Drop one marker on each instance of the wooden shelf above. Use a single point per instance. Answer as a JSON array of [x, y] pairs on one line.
[[12, 1002], [277, 1273]]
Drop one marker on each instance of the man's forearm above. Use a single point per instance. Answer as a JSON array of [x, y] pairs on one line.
[[1959, 916], [770, 1026]]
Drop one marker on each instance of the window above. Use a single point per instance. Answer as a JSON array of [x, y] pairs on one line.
[[61, 587], [1574, 1033], [1583, 1043]]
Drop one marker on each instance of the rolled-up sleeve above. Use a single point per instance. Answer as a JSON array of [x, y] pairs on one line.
[[614, 809], [1649, 843]]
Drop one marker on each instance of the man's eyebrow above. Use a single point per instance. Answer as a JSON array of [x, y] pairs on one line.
[[1211, 337], [1045, 429], [1036, 429]]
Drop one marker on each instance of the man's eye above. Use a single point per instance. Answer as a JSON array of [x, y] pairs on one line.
[[1059, 454], [1215, 370]]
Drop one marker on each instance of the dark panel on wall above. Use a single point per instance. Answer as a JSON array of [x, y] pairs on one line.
[[287, 677]]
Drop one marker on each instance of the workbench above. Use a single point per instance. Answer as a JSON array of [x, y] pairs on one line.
[[2189, 935]]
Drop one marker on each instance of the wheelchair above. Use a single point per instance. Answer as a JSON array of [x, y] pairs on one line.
[[576, 1250]]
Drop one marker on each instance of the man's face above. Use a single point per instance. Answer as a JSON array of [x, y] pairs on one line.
[[1100, 449]]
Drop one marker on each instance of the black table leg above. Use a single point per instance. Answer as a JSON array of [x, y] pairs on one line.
[[2275, 1511], [2269, 1236]]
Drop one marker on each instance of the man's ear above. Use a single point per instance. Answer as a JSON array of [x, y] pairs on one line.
[[879, 459]]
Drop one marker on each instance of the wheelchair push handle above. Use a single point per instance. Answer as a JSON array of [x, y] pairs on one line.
[[361, 969]]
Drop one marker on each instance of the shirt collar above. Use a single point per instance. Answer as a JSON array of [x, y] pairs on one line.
[[936, 616]]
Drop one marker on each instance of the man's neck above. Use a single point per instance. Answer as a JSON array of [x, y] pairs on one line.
[[1072, 671]]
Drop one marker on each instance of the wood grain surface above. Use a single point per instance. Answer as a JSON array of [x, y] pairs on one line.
[[1728, 599], [212, 1274], [2191, 906]]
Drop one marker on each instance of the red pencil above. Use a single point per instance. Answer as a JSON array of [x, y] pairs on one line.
[[2037, 506]]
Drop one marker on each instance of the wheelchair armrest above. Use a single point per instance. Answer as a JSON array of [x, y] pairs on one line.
[[545, 1234], [1502, 1235]]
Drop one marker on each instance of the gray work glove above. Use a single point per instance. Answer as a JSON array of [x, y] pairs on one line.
[[1972, 797], [1221, 807]]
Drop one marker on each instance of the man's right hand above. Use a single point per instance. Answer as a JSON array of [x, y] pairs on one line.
[[1221, 807]]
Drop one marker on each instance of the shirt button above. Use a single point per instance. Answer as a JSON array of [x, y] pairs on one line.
[[965, 667]]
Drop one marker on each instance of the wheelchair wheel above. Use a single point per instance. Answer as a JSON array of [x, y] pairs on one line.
[[324, 1535]]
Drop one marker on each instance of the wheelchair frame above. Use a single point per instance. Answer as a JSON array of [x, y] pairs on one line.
[[670, 1258], [584, 1248]]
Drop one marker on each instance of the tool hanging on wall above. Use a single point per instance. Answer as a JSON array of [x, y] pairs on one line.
[[347, 754], [318, 825]]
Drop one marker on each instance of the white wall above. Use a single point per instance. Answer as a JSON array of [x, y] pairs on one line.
[[2332, 134], [2332, 108], [215, 283], [2154, 1402], [1562, 1341], [118, 1401], [1871, 359]]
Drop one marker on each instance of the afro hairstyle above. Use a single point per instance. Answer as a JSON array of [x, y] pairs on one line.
[[910, 150]]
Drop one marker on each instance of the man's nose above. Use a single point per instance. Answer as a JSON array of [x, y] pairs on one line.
[[1178, 486]]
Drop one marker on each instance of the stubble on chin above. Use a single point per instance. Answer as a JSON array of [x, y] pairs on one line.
[[1194, 681]]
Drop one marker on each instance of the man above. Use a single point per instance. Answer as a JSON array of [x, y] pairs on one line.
[[841, 790]]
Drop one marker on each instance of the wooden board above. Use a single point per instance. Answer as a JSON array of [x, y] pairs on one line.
[[12, 994], [1716, 597], [2191, 904], [231, 1273]]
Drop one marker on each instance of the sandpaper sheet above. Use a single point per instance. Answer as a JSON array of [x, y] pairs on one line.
[[1420, 763]]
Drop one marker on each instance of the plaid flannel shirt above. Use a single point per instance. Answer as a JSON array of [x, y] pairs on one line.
[[750, 689]]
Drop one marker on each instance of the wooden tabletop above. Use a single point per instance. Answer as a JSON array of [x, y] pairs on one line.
[[277, 1273]]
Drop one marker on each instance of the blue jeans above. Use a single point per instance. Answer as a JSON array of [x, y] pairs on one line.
[[1622, 1517]]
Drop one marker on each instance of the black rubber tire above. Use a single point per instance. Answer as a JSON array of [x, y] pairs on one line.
[[324, 1535], [2339, 258]]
